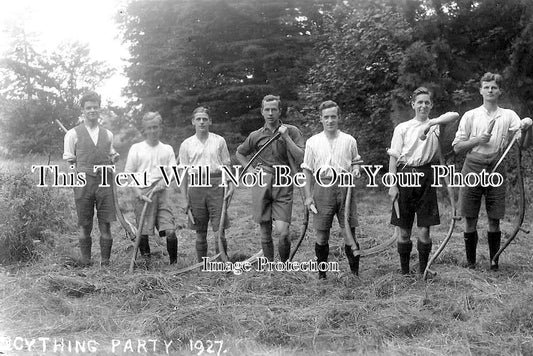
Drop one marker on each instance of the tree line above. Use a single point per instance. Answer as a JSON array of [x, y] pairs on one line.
[[367, 55]]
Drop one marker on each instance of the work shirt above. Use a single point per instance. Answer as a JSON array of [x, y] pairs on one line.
[[409, 149], [276, 153], [145, 158], [340, 153], [212, 153], [475, 122]]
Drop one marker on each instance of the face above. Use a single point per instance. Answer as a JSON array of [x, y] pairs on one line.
[[201, 122], [330, 119], [91, 112], [152, 130], [422, 105], [270, 112], [490, 91]]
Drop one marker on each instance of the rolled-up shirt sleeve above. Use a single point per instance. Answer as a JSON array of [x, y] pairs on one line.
[[309, 158], [69, 145], [246, 147], [356, 158], [396, 144]]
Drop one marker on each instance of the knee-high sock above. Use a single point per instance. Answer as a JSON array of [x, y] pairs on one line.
[[423, 255], [404, 250], [470, 247], [105, 250], [172, 248], [353, 261], [494, 239], [322, 252]]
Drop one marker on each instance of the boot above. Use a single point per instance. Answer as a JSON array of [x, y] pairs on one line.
[[470, 248], [85, 249], [268, 250], [322, 252], [494, 239], [172, 248], [404, 250], [105, 251], [201, 250], [284, 249], [423, 255], [353, 261]]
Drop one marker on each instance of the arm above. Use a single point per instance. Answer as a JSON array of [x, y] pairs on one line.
[[393, 191], [113, 154], [527, 132], [463, 142], [294, 149], [308, 188], [69, 146]]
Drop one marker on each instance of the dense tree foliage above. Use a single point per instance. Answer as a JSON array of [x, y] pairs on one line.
[[225, 54]]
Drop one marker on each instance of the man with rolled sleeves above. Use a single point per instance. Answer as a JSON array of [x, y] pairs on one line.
[[88, 145], [148, 156], [209, 151]]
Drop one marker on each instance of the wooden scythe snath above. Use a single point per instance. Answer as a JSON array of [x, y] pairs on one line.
[[454, 219], [128, 227], [453, 206], [141, 224], [222, 226], [522, 202]]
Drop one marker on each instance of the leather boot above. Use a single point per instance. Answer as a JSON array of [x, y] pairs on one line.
[[404, 250]]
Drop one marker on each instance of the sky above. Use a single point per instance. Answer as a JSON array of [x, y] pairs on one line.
[[55, 21]]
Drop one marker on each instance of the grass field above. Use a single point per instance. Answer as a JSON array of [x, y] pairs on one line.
[[110, 311]]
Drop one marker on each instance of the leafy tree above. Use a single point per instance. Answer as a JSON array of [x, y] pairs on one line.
[[357, 66], [226, 54]]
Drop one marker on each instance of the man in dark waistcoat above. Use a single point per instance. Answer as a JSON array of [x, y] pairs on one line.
[[88, 145]]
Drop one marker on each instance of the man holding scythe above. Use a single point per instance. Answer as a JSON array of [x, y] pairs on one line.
[[482, 149], [414, 148], [271, 203], [328, 151], [147, 156], [88, 145], [205, 153]]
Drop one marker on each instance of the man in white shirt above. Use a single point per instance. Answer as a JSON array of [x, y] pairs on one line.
[[87, 145], [206, 150], [410, 154], [328, 151], [147, 156], [482, 150]]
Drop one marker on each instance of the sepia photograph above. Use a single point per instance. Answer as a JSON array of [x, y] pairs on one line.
[[266, 177]]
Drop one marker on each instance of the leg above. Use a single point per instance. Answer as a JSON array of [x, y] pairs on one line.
[[353, 261], [404, 249], [224, 243], [266, 240], [322, 249], [201, 244], [423, 246], [471, 239], [172, 246], [85, 243], [105, 242], [284, 243], [494, 236]]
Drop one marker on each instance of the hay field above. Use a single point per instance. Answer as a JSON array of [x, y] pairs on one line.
[[108, 311]]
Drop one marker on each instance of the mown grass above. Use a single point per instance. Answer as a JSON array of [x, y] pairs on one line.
[[458, 312]]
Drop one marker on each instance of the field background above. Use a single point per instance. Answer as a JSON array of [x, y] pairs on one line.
[[460, 311]]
